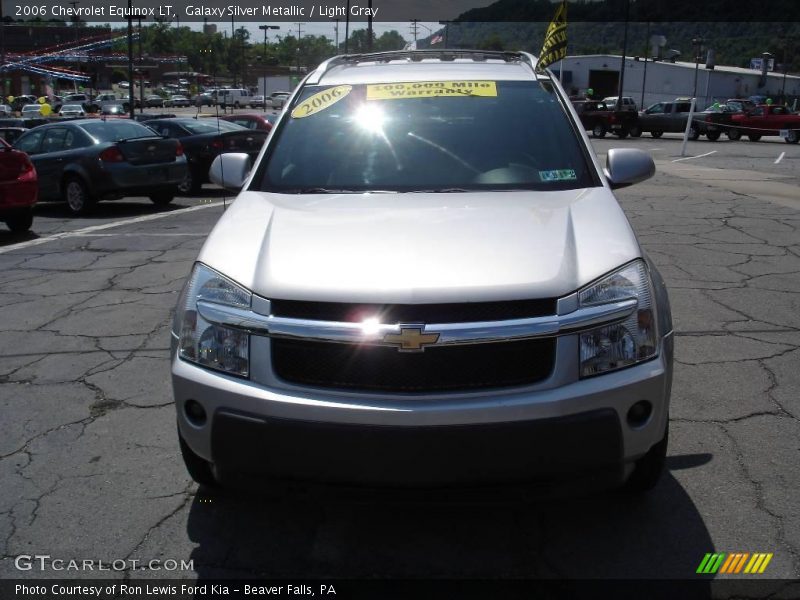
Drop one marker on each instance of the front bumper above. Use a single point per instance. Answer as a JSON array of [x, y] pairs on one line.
[[509, 435]]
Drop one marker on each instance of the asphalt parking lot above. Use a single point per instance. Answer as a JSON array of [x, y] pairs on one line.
[[89, 460]]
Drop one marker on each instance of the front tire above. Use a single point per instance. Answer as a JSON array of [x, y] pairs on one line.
[[21, 221], [635, 131], [599, 130], [754, 137], [190, 185], [77, 196], [793, 137], [694, 133], [656, 134], [649, 468], [734, 135], [200, 470], [713, 135], [162, 198]]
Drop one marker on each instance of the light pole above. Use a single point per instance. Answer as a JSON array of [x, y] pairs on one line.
[[697, 45], [75, 20], [369, 27], [785, 68], [265, 28], [621, 90], [646, 57], [299, 35], [141, 73], [232, 51], [177, 38], [347, 28], [131, 107], [446, 27]]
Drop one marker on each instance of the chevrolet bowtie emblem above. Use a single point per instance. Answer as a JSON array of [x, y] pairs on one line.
[[411, 339]]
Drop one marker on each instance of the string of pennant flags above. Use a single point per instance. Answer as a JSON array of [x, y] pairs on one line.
[[82, 52]]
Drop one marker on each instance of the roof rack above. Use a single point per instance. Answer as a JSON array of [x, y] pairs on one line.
[[419, 55]]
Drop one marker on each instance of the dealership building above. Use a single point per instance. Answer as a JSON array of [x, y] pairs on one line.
[[651, 81]]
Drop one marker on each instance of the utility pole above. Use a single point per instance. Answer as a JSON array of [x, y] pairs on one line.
[[131, 103], [785, 68], [75, 20], [3, 74], [624, 52], [697, 45], [336, 33], [141, 74], [265, 28], [231, 51], [347, 28], [242, 31], [177, 37], [369, 26], [646, 57], [414, 27], [446, 27], [299, 35]]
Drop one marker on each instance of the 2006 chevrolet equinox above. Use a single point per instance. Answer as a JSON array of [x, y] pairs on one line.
[[426, 280]]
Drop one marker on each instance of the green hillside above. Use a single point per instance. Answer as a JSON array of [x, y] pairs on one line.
[[735, 43]]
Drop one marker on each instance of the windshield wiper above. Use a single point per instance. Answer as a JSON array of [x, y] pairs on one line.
[[451, 190], [317, 190]]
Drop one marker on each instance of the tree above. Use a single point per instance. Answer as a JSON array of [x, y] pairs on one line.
[[493, 42], [358, 42], [390, 40]]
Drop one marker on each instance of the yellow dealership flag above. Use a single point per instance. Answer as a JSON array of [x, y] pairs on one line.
[[555, 40]]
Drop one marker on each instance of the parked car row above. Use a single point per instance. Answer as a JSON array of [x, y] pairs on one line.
[[203, 140], [84, 161], [736, 118]]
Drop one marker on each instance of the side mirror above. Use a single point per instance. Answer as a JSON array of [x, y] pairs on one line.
[[626, 166], [230, 170]]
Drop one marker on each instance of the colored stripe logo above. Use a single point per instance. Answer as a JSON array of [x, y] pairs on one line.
[[734, 563]]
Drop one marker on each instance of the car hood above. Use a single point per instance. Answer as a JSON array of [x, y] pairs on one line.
[[420, 248]]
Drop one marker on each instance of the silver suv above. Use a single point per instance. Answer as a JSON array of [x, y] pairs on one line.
[[425, 280]]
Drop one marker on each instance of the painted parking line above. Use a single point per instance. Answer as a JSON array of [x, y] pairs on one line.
[[780, 158], [93, 228], [175, 234], [691, 157]]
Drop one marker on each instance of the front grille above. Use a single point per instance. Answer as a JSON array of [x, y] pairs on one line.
[[437, 369], [463, 312]]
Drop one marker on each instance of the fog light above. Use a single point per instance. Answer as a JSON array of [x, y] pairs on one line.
[[195, 412], [639, 413]]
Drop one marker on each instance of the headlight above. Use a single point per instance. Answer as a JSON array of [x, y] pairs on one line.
[[202, 343], [634, 340]]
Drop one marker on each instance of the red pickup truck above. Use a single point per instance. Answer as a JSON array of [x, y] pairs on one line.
[[766, 119]]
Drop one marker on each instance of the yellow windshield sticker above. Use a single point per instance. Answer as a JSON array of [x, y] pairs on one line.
[[320, 101], [431, 89]]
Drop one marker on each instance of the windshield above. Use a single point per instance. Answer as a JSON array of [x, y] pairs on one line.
[[426, 136], [117, 131], [207, 126]]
